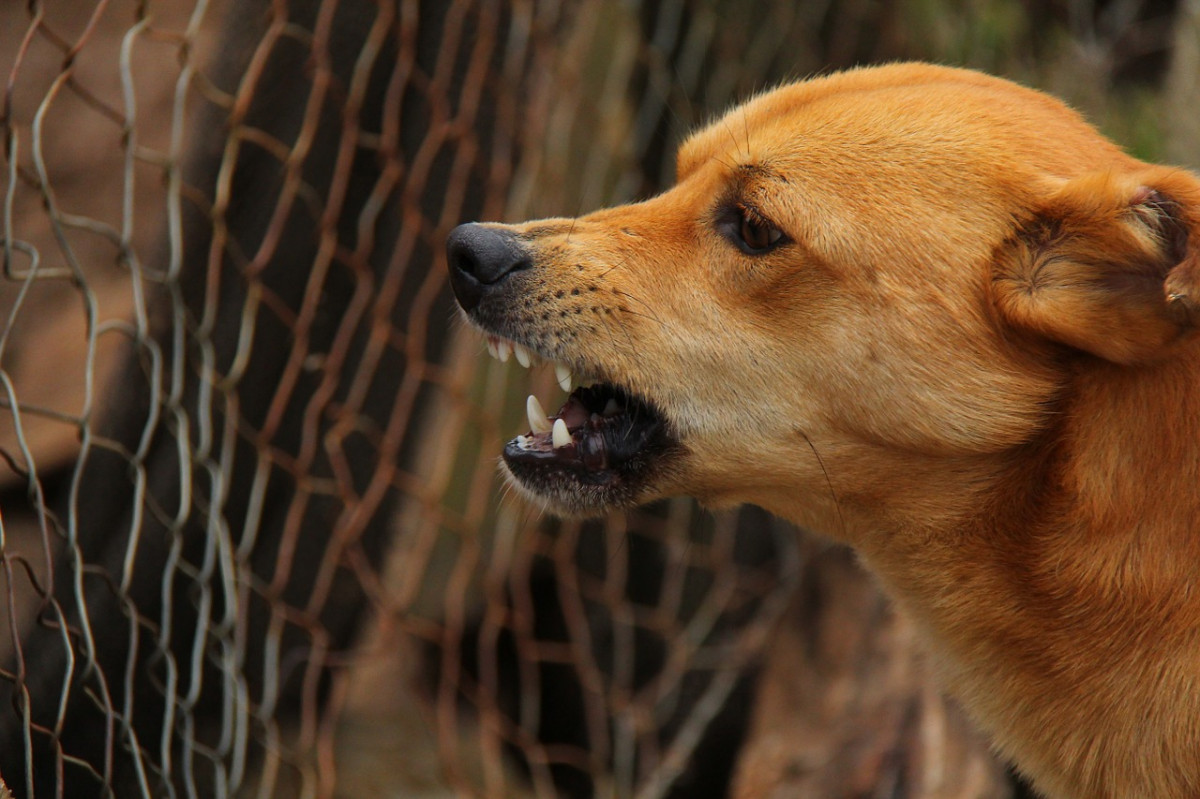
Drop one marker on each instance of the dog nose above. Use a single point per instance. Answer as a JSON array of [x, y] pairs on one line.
[[479, 258]]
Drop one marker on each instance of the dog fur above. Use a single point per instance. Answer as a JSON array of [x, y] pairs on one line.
[[970, 354]]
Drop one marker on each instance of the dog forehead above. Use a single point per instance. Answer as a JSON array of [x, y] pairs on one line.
[[933, 117]]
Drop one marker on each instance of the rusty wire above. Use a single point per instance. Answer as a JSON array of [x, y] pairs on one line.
[[460, 562], [251, 534]]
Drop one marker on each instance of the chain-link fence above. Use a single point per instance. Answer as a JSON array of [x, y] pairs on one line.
[[252, 538]]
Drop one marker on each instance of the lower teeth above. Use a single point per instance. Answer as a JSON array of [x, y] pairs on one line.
[[559, 435]]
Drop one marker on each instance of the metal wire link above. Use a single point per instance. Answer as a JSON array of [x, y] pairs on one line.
[[252, 541]]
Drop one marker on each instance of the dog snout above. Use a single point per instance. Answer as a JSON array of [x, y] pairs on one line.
[[480, 259]]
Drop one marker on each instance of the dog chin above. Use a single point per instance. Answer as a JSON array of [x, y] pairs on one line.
[[562, 494]]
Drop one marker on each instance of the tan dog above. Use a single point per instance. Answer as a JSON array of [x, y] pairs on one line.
[[935, 315]]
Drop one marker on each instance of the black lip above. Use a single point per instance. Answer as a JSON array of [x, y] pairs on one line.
[[611, 462]]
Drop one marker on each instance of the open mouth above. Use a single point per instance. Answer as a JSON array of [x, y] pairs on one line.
[[604, 448]]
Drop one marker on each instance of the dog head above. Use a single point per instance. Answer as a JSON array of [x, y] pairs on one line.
[[858, 283]]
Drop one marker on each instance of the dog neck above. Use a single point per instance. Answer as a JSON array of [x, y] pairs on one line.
[[1070, 578]]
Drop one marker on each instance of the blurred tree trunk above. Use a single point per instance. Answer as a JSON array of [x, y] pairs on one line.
[[1181, 124]]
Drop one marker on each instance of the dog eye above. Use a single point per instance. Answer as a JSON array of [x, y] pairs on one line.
[[755, 233]]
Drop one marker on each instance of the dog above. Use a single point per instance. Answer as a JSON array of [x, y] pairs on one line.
[[932, 314]]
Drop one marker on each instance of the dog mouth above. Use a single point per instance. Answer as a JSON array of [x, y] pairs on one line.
[[604, 448]]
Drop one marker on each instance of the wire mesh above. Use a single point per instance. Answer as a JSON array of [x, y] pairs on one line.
[[252, 537]]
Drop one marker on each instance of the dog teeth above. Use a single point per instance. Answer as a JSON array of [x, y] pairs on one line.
[[502, 349], [563, 374], [560, 436], [538, 421]]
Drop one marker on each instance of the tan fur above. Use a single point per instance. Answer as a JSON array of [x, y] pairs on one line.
[[973, 361]]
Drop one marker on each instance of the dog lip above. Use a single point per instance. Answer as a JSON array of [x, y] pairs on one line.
[[604, 450], [593, 422], [612, 443]]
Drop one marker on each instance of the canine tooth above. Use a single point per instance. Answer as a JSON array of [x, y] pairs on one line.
[[503, 350], [492, 349], [564, 376], [561, 436], [538, 422], [612, 407], [522, 355]]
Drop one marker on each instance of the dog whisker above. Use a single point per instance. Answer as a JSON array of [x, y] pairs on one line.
[[622, 263], [746, 124], [837, 505], [643, 303], [609, 321], [732, 136], [730, 165], [607, 324]]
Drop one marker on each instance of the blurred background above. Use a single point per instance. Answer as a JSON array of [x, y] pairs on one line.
[[251, 535]]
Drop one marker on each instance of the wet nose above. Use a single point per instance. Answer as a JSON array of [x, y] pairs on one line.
[[480, 258]]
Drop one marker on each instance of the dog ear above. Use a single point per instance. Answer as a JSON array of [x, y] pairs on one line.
[[1109, 264]]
